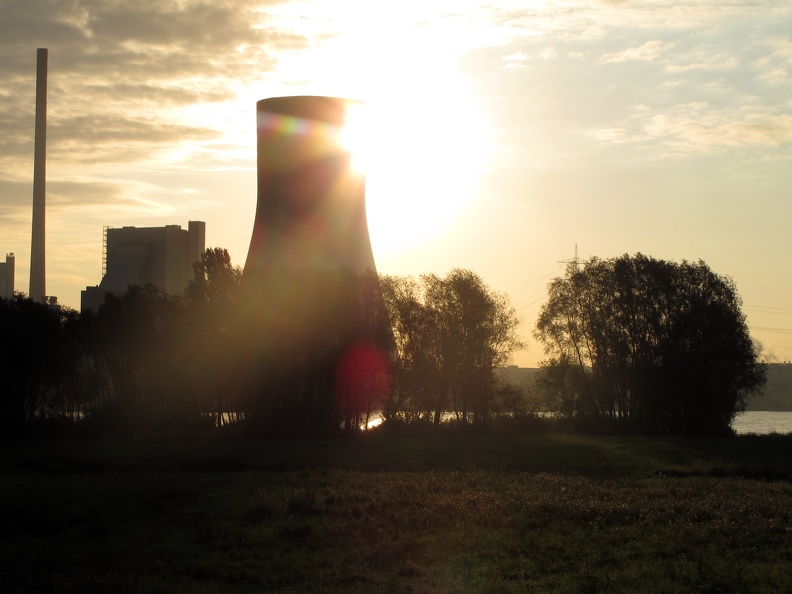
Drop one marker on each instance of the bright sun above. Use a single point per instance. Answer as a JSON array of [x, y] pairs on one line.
[[426, 155], [355, 135], [422, 155], [424, 137]]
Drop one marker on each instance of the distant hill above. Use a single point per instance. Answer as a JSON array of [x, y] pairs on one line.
[[521, 376], [777, 394]]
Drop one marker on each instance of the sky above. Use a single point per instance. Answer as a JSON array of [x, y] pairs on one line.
[[505, 137]]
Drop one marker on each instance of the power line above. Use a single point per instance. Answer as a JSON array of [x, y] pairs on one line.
[[771, 329], [769, 310], [551, 273]]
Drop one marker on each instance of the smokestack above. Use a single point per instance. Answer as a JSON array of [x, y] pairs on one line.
[[38, 287]]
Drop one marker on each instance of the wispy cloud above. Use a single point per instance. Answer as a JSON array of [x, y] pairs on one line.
[[650, 50], [696, 128], [120, 71]]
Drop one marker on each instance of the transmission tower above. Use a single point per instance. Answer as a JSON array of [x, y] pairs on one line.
[[574, 261]]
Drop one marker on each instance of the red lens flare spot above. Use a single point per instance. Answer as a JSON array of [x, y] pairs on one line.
[[362, 380]]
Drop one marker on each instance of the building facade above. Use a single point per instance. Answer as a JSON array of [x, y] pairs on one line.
[[7, 277], [161, 256]]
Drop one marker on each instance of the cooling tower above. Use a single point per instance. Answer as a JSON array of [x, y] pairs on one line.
[[311, 310], [37, 263], [311, 209]]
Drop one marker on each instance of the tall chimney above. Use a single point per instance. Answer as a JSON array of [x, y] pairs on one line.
[[38, 288]]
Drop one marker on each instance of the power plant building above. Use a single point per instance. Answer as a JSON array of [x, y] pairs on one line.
[[7, 277], [161, 256]]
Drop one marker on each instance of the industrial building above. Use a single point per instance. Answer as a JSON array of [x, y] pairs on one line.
[[7, 277], [161, 256]]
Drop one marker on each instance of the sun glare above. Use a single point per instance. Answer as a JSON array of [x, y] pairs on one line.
[[420, 136], [424, 141], [425, 155], [354, 136]]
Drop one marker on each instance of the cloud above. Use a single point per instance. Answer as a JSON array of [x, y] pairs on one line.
[[609, 135], [694, 128], [121, 58], [120, 75], [775, 66], [516, 60], [520, 59], [15, 195], [108, 137], [162, 94], [650, 50], [75, 191], [711, 81], [69, 195], [102, 32], [102, 137]]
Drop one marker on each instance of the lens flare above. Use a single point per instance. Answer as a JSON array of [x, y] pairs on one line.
[[354, 135]]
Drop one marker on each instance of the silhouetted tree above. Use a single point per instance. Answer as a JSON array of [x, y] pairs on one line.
[[307, 341], [32, 356], [413, 335], [212, 297], [363, 370], [659, 346], [557, 386], [451, 334], [73, 387], [41, 363], [159, 361], [215, 281], [477, 330], [140, 339]]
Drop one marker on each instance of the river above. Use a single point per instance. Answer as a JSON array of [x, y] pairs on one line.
[[763, 422], [760, 422]]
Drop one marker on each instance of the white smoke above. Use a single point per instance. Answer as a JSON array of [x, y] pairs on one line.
[[764, 354]]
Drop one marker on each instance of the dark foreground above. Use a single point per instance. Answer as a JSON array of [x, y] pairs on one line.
[[544, 514]]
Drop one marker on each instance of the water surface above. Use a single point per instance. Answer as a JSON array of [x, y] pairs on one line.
[[763, 422]]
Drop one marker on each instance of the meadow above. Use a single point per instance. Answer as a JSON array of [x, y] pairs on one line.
[[552, 513]]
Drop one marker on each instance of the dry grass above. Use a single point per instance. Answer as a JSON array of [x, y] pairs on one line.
[[558, 514]]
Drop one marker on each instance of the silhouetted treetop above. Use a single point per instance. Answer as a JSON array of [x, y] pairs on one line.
[[215, 279], [662, 346], [450, 333]]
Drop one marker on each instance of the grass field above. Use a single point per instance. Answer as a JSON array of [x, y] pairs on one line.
[[510, 514]]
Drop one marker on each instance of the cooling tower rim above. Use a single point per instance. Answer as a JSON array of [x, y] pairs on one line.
[[325, 108]]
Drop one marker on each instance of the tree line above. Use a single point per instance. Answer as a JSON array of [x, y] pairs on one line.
[[632, 344], [654, 346]]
